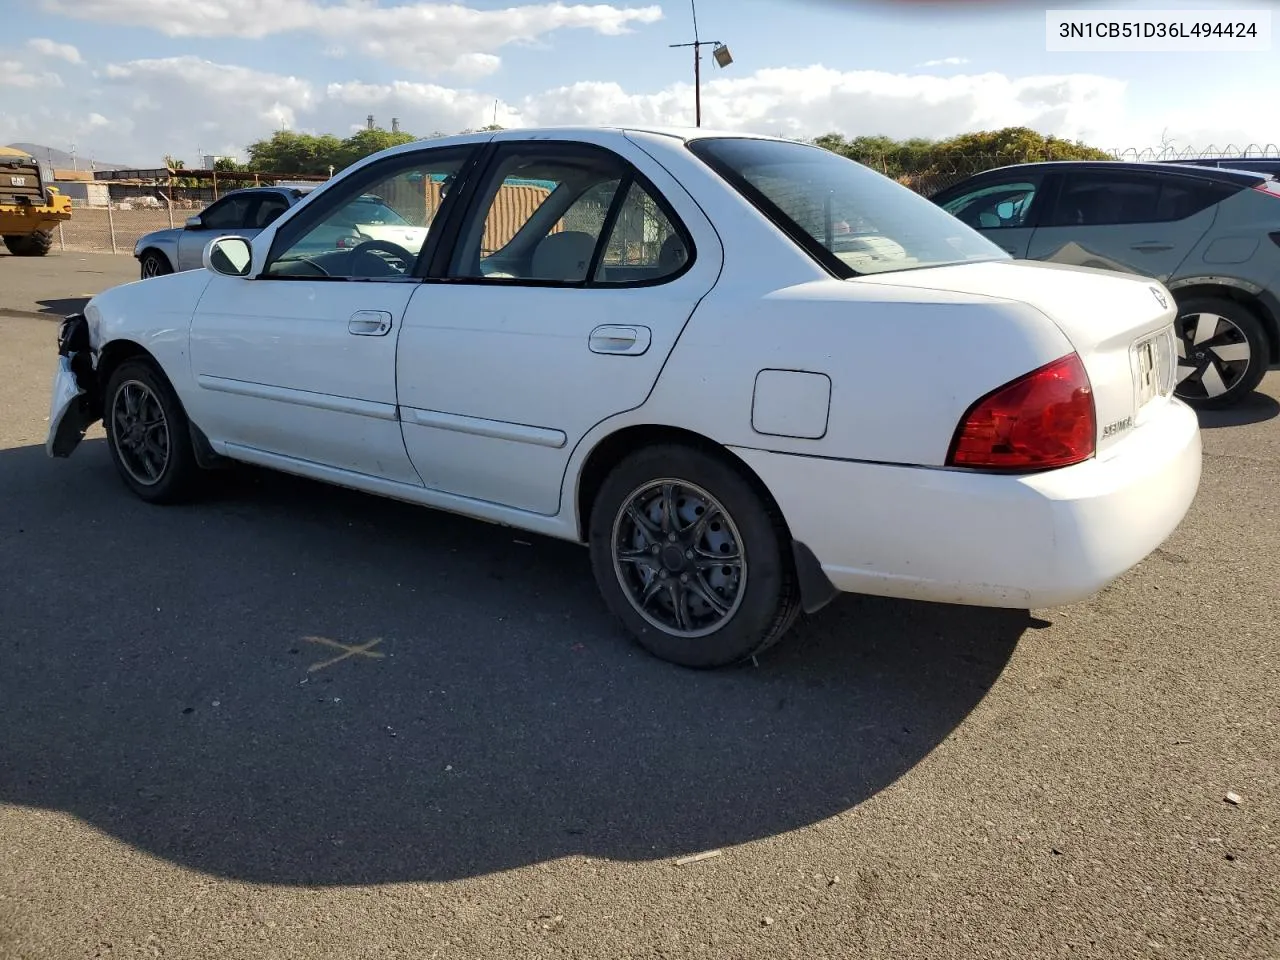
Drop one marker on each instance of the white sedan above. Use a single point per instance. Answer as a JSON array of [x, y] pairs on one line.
[[672, 347]]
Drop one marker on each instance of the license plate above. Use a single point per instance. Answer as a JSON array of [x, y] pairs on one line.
[[1154, 373]]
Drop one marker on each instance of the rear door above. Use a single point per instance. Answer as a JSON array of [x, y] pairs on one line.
[[1002, 207], [1131, 222]]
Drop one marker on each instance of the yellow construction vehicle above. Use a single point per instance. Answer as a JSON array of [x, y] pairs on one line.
[[30, 209]]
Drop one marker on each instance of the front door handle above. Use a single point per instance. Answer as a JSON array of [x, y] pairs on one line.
[[369, 323], [621, 340]]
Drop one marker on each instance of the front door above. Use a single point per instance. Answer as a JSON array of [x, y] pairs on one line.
[[1128, 222], [1001, 208], [573, 272], [230, 215], [299, 361]]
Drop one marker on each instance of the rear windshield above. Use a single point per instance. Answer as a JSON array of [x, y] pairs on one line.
[[852, 219]]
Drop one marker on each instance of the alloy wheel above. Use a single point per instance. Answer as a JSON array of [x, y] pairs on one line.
[[140, 432], [678, 557], [1213, 355]]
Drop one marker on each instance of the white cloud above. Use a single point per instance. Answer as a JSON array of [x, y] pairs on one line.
[[946, 62], [144, 109], [19, 75], [429, 39], [51, 48]]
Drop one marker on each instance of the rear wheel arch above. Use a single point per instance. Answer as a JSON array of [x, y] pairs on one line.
[[610, 451], [1256, 305]]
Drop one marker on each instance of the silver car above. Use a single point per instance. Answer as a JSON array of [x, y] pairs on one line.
[[1212, 236], [242, 212]]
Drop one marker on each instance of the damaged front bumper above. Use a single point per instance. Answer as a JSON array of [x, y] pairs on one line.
[[77, 399]]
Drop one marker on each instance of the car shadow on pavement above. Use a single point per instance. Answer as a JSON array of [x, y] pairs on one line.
[[62, 306], [482, 713], [1258, 407]]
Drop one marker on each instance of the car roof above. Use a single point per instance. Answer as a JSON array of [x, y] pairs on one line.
[[1220, 174], [572, 132]]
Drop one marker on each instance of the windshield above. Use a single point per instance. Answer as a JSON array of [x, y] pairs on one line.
[[850, 218], [368, 211]]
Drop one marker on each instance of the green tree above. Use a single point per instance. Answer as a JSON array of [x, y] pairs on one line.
[[364, 143], [288, 152], [930, 165]]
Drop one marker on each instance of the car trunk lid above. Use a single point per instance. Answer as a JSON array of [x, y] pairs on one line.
[[1120, 325]]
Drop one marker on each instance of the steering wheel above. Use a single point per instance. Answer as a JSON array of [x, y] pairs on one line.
[[372, 247]]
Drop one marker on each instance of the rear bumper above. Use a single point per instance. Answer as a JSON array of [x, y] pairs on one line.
[[1002, 541]]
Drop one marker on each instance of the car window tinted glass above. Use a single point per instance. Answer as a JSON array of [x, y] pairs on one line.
[[851, 218], [643, 244], [1102, 198], [369, 229], [230, 213], [539, 215], [271, 206], [994, 206]]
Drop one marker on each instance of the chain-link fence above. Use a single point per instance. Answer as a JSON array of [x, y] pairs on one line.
[[113, 229], [116, 228]]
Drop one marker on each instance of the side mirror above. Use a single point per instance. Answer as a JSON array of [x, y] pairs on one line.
[[229, 256], [1005, 210], [195, 223]]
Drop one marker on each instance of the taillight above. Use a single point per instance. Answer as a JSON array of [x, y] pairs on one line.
[[1270, 187], [1043, 420]]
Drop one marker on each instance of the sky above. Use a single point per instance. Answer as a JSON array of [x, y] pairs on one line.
[[135, 80]]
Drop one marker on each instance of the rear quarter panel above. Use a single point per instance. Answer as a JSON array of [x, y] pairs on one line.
[[1239, 246], [904, 365]]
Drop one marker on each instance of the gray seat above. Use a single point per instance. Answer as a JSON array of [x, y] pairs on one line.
[[563, 256]]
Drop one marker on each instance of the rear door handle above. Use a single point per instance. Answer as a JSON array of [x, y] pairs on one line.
[[369, 323], [1151, 246], [621, 340]]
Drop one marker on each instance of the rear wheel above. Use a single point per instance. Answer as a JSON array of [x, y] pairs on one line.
[[691, 559], [1222, 352], [154, 264], [148, 434], [35, 244]]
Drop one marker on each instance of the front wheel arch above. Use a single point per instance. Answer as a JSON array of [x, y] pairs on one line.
[[159, 254]]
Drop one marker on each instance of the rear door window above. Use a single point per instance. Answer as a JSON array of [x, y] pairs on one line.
[[1104, 198]]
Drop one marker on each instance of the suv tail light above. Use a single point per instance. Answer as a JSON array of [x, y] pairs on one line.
[[1270, 187], [1043, 420]]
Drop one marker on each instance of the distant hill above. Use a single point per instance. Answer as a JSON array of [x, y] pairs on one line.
[[61, 160]]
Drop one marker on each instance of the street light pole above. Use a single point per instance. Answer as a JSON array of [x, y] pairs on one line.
[[721, 53]]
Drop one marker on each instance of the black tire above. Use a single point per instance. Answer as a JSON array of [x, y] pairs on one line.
[[1220, 377], [153, 263], [760, 594], [178, 477], [36, 244]]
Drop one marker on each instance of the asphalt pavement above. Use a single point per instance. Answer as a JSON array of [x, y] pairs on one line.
[[295, 721]]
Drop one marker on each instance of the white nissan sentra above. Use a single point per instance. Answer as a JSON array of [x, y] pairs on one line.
[[747, 373]]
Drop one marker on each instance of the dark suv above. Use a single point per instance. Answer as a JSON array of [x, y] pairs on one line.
[[1211, 235]]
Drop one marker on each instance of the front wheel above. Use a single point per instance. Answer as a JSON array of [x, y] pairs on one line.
[[1222, 352], [148, 434], [154, 264], [691, 559]]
